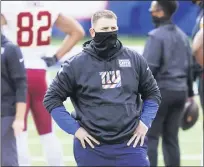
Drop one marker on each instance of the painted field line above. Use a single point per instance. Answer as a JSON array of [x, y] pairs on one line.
[[71, 158]]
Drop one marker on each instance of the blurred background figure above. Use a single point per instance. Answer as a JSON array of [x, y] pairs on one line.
[[29, 25], [13, 100], [169, 57], [198, 47], [200, 5], [135, 22]]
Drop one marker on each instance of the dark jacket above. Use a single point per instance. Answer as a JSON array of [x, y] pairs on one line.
[[169, 56], [104, 91], [13, 77]]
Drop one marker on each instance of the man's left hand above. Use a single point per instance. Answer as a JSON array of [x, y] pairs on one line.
[[50, 61], [139, 134], [18, 126]]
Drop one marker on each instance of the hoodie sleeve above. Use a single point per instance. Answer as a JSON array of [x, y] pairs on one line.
[[61, 88], [150, 93], [17, 71]]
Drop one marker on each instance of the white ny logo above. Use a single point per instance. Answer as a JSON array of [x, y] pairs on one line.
[[110, 79]]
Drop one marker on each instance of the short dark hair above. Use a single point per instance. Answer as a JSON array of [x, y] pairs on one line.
[[102, 14], [169, 7]]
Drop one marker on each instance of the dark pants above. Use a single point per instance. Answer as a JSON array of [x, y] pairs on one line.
[[110, 155], [166, 124], [200, 90], [8, 143]]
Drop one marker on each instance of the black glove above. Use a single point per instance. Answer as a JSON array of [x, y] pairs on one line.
[[50, 61]]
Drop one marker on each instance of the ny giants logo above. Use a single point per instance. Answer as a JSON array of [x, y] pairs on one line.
[[110, 79]]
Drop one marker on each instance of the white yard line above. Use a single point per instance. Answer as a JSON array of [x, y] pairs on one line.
[[71, 158]]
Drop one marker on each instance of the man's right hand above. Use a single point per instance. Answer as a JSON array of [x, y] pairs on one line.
[[18, 126], [139, 135], [83, 136]]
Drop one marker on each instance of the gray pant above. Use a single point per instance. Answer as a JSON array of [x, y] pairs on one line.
[[8, 143], [200, 89]]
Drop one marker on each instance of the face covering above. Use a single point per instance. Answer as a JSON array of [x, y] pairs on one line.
[[158, 20], [105, 40]]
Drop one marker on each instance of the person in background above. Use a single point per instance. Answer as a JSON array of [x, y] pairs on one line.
[[198, 46], [13, 100], [197, 37], [199, 18], [29, 25], [169, 56]]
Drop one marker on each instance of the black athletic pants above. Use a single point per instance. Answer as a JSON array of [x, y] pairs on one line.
[[166, 124], [8, 143], [200, 90]]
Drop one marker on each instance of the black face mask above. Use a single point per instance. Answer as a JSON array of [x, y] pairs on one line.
[[159, 20], [105, 40]]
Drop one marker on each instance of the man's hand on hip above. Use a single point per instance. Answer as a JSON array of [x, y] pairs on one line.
[[18, 126], [83, 136], [139, 134]]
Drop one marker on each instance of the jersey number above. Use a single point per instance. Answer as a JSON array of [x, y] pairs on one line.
[[28, 28]]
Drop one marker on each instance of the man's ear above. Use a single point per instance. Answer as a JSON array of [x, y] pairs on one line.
[[92, 32]]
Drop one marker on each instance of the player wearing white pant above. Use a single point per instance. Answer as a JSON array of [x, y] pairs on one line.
[[29, 25]]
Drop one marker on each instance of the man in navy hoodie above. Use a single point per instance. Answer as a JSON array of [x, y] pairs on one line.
[[104, 83], [13, 100]]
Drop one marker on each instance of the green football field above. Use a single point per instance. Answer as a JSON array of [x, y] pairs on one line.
[[190, 140]]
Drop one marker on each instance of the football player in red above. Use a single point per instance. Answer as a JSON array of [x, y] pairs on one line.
[[29, 25]]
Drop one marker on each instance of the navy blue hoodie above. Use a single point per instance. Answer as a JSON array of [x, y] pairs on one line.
[[13, 77], [104, 92]]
